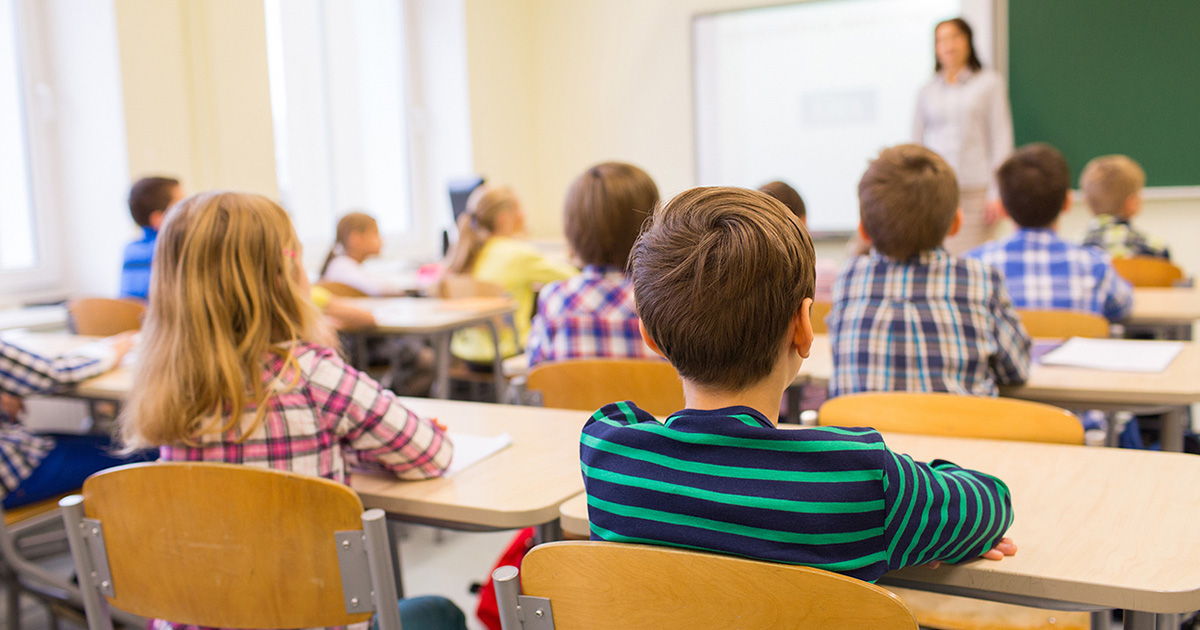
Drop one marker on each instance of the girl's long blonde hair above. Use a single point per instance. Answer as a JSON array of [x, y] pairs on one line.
[[477, 224], [352, 223], [227, 291]]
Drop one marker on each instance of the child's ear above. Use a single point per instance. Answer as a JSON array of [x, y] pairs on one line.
[[956, 223], [156, 219], [650, 343], [1068, 202], [862, 233], [802, 334], [1133, 205]]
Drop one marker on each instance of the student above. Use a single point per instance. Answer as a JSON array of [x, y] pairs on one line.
[[357, 240], [1042, 270], [149, 199], [230, 321], [909, 316], [489, 249], [724, 284], [826, 271], [592, 315], [34, 467], [1112, 185]]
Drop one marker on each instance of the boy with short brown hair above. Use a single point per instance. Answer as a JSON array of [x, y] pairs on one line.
[[909, 316], [1112, 185], [149, 198], [724, 279], [1041, 270]]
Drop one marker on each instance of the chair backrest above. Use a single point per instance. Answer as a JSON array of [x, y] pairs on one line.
[[228, 545], [102, 317], [1148, 271], [589, 384], [341, 290], [820, 310], [954, 416], [1059, 324], [461, 285], [619, 586]]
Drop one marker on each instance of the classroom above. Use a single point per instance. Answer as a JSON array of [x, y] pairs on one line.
[[316, 109]]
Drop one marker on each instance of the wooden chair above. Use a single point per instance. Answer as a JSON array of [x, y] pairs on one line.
[[102, 317], [589, 384], [953, 415], [578, 585], [820, 310], [1060, 324], [244, 547], [970, 417], [341, 290], [1148, 271], [463, 286]]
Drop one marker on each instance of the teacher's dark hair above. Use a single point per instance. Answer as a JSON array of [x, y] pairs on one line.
[[965, 29]]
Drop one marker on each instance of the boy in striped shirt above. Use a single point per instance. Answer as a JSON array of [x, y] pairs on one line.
[[723, 280]]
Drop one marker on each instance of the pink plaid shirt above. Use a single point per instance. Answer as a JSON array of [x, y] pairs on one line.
[[334, 417]]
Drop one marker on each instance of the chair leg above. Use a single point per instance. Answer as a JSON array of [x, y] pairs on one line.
[[13, 600]]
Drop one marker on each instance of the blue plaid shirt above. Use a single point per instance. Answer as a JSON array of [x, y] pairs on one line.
[[1043, 271], [932, 323], [589, 316]]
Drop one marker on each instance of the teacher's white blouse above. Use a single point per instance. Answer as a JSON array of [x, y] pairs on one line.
[[968, 123]]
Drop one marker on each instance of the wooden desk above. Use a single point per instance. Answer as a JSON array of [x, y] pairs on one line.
[[1173, 389], [521, 486], [1096, 527], [436, 319], [1171, 311]]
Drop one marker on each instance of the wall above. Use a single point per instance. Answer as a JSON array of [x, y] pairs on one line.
[[557, 86], [197, 97]]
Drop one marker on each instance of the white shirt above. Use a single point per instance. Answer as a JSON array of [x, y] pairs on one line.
[[968, 123], [348, 271]]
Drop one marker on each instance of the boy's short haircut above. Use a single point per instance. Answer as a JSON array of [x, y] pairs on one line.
[[1034, 182], [907, 199], [787, 196], [605, 210], [1108, 181], [717, 277], [149, 195]]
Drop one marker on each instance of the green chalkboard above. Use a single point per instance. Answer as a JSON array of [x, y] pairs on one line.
[[1094, 77]]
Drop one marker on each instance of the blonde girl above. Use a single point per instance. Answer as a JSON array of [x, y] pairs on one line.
[[357, 240], [489, 249], [234, 367]]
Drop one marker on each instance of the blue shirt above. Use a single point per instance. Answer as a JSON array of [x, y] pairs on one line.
[[729, 481], [135, 271], [1043, 271]]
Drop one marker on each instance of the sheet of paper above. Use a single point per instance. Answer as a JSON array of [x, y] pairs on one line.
[[472, 449], [1116, 355]]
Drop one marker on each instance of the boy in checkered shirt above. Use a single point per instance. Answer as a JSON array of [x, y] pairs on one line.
[[1043, 271], [909, 316], [1112, 185]]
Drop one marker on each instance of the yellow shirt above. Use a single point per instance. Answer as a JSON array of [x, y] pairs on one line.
[[519, 268]]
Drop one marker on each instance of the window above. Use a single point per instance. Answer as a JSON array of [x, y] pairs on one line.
[[24, 235], [349, 121]]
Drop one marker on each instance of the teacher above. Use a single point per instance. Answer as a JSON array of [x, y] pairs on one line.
[[963, 114]]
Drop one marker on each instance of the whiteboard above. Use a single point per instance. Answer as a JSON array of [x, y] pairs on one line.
[[808, 93]]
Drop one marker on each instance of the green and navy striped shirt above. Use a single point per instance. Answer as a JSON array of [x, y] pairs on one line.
[[729, 481]]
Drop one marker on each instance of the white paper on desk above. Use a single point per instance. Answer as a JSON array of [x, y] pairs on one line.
[[1116, 355], [472, 449]]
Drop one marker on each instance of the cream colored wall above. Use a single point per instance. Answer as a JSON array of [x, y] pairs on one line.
[[197, 98], [557, 86]]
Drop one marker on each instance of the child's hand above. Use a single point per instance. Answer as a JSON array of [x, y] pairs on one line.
[[1006, 547], [11, 406], [121, 344]]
